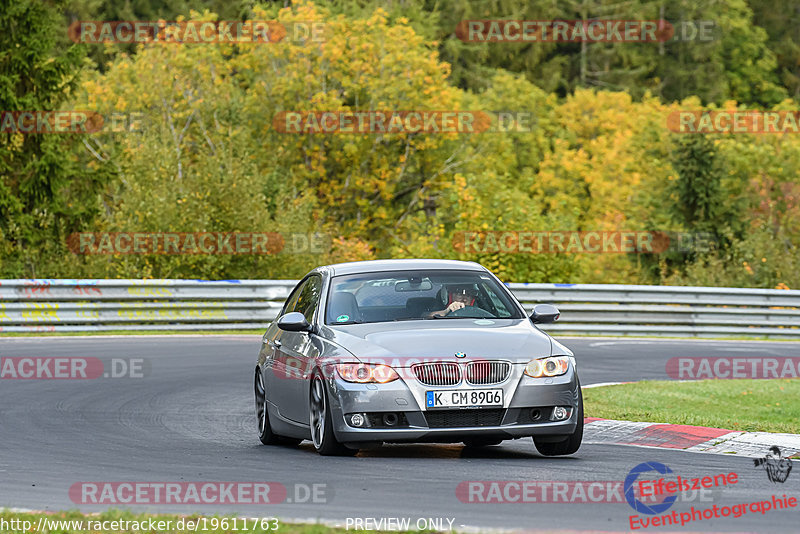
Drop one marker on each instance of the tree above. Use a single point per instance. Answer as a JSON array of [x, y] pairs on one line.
[[144, 10], [44, 195], [780, 19], [697, 193], [736, 63]]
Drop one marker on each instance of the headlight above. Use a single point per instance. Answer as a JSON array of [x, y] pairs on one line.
[[557, 365], [363, 374]]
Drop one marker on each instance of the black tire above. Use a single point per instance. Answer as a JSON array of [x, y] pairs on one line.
[[265, 432], [571, 443], [482, 442], [319, 415]]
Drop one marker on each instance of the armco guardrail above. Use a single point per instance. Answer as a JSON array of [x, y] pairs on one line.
[[599, 309], [97, 305], [623, 310]]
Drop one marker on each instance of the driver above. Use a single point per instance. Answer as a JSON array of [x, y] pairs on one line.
[[457, 298]]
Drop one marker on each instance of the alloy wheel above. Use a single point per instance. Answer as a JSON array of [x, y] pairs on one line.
[[317, 411]]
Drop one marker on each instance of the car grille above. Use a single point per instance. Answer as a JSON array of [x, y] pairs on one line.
[[464, 418], [484, 373], [437, 374]]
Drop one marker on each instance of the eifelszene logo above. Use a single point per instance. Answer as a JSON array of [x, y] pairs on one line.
[[672, 488], [630, 484]]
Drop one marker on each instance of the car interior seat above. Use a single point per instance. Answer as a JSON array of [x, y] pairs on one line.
[[344, 304]]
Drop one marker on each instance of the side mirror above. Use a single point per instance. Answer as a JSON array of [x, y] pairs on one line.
[[545, 313], [294, 322]]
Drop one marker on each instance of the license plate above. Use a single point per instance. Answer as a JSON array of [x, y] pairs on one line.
[[464, 398]]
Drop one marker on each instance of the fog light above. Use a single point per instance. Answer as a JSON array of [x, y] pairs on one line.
[[560, 413], [357, 419]]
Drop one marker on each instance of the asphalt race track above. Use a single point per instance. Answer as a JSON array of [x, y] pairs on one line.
[[190, 418]]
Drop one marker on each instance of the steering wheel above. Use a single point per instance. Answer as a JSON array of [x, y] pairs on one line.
[[473, 312]]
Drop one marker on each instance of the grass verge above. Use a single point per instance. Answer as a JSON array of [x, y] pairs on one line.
[[751, 405]]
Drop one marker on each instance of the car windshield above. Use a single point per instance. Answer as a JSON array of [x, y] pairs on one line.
[[414, 295]]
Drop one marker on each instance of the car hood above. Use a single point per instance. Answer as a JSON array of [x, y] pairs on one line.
[[403, 343]]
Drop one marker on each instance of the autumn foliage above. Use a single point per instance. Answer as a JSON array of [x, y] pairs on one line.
[[209, 158]]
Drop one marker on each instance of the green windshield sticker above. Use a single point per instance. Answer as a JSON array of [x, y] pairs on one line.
[[342, 318]]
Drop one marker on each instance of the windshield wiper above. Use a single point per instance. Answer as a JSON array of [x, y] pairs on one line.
[[460, 317]]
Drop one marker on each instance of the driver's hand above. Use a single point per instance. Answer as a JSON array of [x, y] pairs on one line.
[[455, 305]]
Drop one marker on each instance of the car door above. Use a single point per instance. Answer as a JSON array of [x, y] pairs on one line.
[[274, 360], [298, 354]]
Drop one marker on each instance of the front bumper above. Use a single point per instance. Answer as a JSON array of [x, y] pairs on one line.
[[522, 395]]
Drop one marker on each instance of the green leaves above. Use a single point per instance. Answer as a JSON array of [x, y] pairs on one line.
[[697, 191], [38, 198], [594, 152]]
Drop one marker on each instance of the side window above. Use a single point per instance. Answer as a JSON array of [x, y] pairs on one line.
[[289, 305], [308, 298]]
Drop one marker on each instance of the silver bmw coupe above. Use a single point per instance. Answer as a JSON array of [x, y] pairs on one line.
[[382, 351]]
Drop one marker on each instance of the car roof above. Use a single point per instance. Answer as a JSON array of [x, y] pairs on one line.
[[373, 266]]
